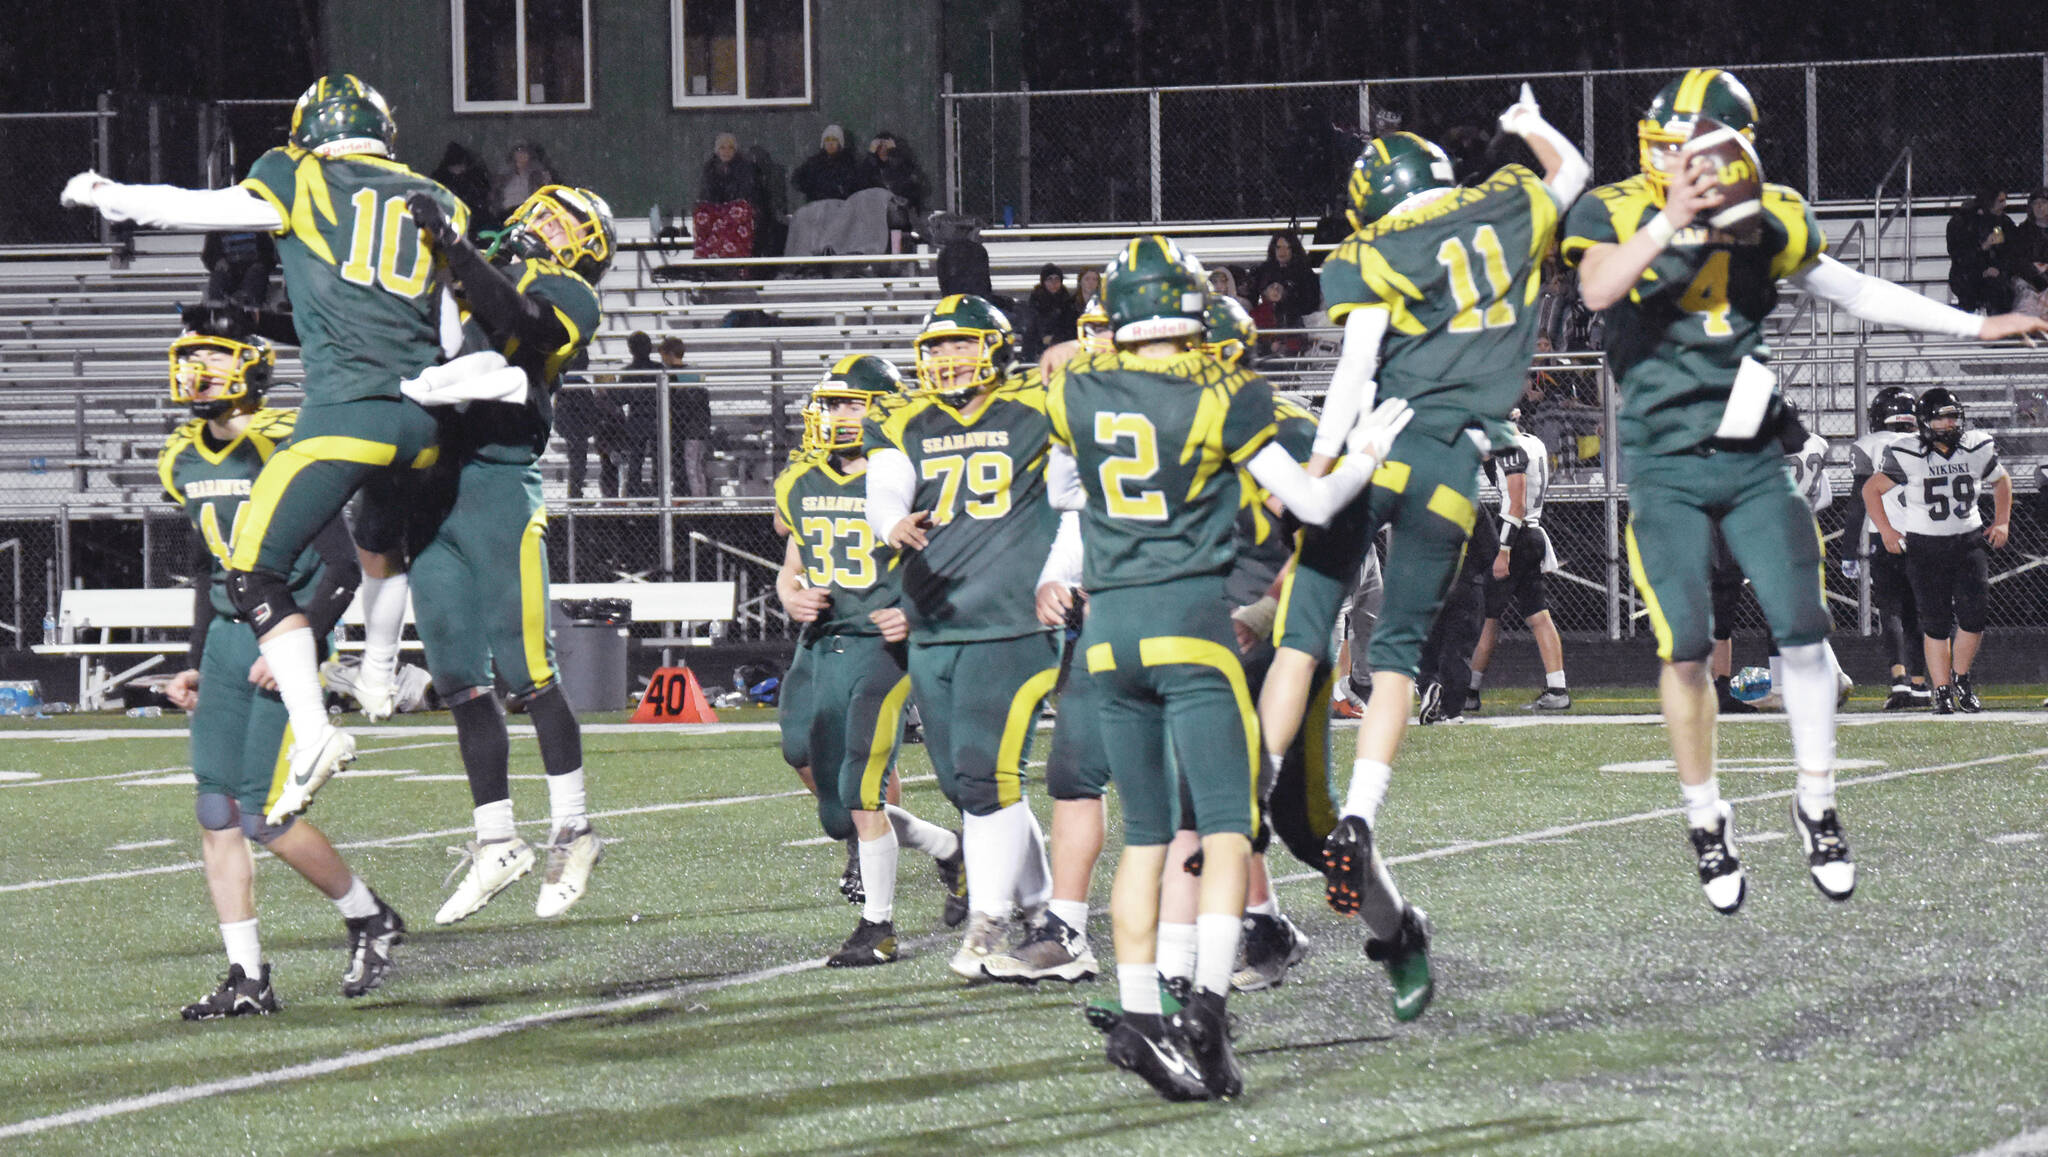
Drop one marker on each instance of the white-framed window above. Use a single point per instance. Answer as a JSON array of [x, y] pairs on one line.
[[740, 52], [521, 55]]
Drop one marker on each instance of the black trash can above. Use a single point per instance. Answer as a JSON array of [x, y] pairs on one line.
[[591, 641]]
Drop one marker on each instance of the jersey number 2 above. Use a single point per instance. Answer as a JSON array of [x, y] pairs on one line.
[[368, 234], [1457, 262], [1117, 474]]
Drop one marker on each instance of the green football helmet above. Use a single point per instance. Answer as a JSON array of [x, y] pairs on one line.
[[862, 378], [240, 369], [570, 227], [963, 316], [1678, 108], [1391, 169], [1232, 333], [1154, 290], [341, 115]]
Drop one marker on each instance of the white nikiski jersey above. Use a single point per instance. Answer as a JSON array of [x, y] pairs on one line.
[[1531, 459], [1866, 457], [1809, 473], [1941, 490]]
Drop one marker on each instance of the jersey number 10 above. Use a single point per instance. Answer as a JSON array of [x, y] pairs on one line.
[[368, 234]]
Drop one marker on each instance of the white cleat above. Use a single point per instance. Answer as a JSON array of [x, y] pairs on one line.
[[1721, 874], [984, 938], [378, 700], [312, 764], [567, 876], [1827, 853], [492, 868]]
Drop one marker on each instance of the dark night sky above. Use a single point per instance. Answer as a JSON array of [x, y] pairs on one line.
[[159, 47]]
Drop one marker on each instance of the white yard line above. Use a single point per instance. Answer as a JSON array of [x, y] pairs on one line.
[[2025, 1145], [185, 1093]]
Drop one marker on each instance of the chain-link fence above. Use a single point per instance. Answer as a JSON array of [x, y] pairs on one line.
[[41, 151], [1830, 130]]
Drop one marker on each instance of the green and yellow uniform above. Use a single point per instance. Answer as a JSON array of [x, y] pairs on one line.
[[240, 737], [845, 719], [366, 307], [1675, 344], [1459, 277], [482, 508], [980, 661], [1159, 443]]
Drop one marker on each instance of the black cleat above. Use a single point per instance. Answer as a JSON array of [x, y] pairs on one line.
[[370, 940], [1902, 697], [871, 943], [1827, 853], [953, 875], [1966, 695], [1347, 860], [850, 885], [1206, 1026], [1720, 872], [1271, 946], [238, 995], [1944, 700], [1472, 701], [1430, 708], [1148, 1045]]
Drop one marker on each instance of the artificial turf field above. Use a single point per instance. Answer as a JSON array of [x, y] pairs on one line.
[[1588, 1000]]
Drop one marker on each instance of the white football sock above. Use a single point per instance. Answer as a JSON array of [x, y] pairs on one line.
[[357, 902], [1072, 913], [244, 947], [878, 877], [921, 835], [1478, 677], [1176, 951], [1270, 906], [494, 821], [566, 804], [1809, 691], [1554, 680], [1702, 802], [1777, 666], [1137, 987], [1034, 871], [1816, 793], [991, 864], [297, 671], [383, 601], [1369, 779], [1216, 937]]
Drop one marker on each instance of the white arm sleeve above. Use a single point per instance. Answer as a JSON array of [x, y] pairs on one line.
[[1351, 386], [1880, 302], [1570, 179], [1063, 481], [169, 207], [1063, 563], [892, 486], [1313, 500], [451, 323]]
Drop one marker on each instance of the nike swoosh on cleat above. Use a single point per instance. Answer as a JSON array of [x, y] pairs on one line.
[[1174, 1062], [1405, 1003]]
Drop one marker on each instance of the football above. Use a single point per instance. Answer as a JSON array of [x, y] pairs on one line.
[[1740, 174]]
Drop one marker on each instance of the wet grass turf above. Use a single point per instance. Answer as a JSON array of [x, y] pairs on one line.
[[1589, 1001]]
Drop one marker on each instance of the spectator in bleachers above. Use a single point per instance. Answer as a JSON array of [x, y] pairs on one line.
[[238, 267], [526, 169], [889, 164], [584, 414], [1054, 313], [636, 400], [2027, 254], [689, 423], [831, 173], [845, 214], [1223, 283], [723, 222], [1976, 242], [1275, 311], [465, 175], [1287, 264], [1087, 287]]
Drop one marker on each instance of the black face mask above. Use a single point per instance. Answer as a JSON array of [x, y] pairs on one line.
[[1945, 440]]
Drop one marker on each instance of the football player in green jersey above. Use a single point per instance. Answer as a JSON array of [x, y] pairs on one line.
[[369, 312], [239, 731], [956, 484], [1447, 277], [843, 584], [1701, 420], [1157, 431], [481, 507]]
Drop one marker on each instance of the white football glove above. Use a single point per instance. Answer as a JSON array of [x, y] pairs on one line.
[[1373, 437], [1522, 115], [477, 377], [78, 191]]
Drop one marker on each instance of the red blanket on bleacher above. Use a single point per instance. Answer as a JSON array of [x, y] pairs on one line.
[[725, 229]]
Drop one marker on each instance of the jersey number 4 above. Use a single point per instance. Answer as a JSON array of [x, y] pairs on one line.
[[372, 232], [1457, 263], [209, 529]]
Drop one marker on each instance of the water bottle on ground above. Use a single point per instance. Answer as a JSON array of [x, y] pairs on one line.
[[145, 712]]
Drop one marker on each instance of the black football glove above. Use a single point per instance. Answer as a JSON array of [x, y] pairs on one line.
[[427, 214]]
